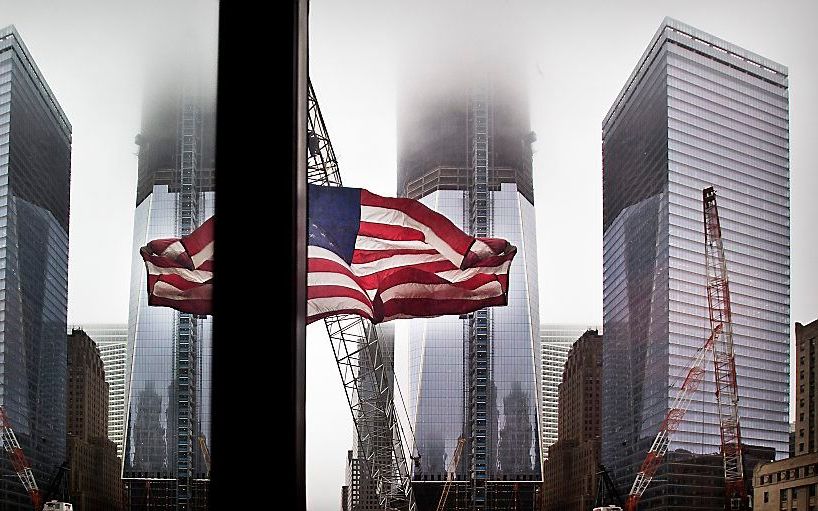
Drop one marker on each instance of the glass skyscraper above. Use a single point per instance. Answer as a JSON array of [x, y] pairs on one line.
[[168, 418], [697, 111], [35, 175], [464, 151]]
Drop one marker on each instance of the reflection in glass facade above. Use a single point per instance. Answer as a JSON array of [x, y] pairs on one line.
[[169, 358], [449, 397], [35, 170], [697, 111]]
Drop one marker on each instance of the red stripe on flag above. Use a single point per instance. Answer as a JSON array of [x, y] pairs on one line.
[[389, 232]]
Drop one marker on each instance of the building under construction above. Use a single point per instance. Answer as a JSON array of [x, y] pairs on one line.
[[464, 150], [165, 460]]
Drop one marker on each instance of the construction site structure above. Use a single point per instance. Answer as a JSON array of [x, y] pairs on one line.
[[361, 363], [718, 299]]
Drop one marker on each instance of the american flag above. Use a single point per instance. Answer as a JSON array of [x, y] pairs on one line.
[[180, 271], [385, 258]]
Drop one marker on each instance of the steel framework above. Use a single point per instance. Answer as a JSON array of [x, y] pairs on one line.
[[718, 299], [365, 374]]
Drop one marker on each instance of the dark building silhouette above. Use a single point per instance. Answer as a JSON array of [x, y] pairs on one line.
[[570, 480], [35, 175], [94, 478]]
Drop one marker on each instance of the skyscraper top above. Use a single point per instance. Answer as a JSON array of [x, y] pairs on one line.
[[703, 43], [10, 39]]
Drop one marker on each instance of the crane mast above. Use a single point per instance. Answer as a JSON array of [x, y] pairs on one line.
[[18, 460], [718, 299]]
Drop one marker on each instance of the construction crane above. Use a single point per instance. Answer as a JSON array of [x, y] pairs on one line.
[[694, 377], [450, 474], [19, 461], [718, 299], [720, 343], [364, 371]]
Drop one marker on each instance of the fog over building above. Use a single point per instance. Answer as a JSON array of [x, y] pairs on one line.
[[464, 150]]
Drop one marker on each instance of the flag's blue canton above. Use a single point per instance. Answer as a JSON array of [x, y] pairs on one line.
[[334, 215]]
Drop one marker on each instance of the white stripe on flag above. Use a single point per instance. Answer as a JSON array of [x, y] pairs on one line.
[[442, 292], [316, 306], [370, 243], [394, 217], [325, 278], [203, 255], [198, 276]]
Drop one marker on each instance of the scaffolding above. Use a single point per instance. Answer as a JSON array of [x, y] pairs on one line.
[[187, 218], [365, 374], [479, 374]]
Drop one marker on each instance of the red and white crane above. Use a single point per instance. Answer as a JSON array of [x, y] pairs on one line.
[[18, 460], [718, 299], [720, 343]]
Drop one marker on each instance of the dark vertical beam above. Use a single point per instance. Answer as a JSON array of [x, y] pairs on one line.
[[259, 320], [299, 284]]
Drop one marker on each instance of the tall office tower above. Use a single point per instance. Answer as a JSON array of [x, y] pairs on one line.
[[168, 418], [35, 174], [556, 343], [94, 469], [697, 111], [464, 151], [372, 441], [573, 461], [112, 342]]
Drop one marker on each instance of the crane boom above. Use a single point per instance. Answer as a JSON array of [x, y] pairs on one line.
[[674, 416], [18, 460], [718, 299]]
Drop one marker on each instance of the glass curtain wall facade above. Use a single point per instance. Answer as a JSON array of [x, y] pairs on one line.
[[35, 173], [696, 112], [169, 358], [498, 413], [556, 343], [112, 342]]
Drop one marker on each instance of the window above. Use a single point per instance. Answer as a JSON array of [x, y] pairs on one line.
[[783, 495], [766, 496]]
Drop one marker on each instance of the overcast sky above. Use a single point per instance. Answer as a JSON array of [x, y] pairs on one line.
[[93, 54], [579, 55]]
